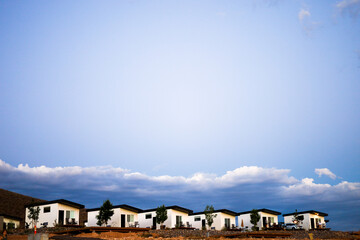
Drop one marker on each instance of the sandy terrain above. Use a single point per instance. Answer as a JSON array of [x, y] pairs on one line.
[[152, 236]]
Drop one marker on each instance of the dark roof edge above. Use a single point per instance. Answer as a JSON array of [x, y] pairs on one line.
[[61, 201], [265, 210], [123, 206], [11, 217], [309, 211], [227, 211], [175, 207]]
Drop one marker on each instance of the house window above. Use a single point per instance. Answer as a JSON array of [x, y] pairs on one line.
[[70, 217], [67, 214], [10, 225], [227, 222], [179, 221], [130, 218], [196, 219], [46, 209], [148, 216]]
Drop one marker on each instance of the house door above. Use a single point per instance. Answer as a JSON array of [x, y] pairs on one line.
[[312, 223], [203, 223], [264, 222], [154, 223], [61, 217], [122, 222]]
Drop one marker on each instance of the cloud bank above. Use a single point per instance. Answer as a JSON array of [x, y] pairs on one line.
[[240, 189]]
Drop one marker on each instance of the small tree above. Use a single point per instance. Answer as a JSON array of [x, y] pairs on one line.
[[297, 219], [254, 218], [34, 215], [105, 213], [209, 215], [161, 215]]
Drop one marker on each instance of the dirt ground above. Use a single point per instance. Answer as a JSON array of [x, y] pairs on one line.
[[125, 236], [138, 236], [17, 237]]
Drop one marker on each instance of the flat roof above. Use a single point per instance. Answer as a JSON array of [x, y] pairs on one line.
[[10, 217], [227, 211], [123, 206], [61, 201], [175, 207], [265, 210], [309, 211]]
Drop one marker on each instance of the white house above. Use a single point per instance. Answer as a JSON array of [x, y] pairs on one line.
[[312, 219], [9, 222], [267, 219], [62, 212], [124, 216], [177, 216], [224, 219]]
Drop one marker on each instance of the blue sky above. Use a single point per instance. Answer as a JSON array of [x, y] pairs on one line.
[[171, 94]]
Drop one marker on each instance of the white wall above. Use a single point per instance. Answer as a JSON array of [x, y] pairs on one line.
[[169, 223], [146, 223], [196, 224], [267, 215], [246, 218], [219, 220], [68, 208], [218, 224], [52, 216], [91, 218], [49, 217], [115, 220], [306, 223], [288, 219]]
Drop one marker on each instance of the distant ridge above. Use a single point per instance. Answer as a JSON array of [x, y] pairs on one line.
[[13, 204]]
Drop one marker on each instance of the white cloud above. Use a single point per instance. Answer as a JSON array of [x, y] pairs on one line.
[[302, 14], [306, 187], [107, 177], [350, 7], [326, 172], [110, 179], [323, 192], [254, 174], [308, 25]]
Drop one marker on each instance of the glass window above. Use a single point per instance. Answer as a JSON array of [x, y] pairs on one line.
[[46, 209], [10, 225], [178, 220], [67, 214], [148, 216], [72, 214], [196, 219], [227, 222], [130, 218]]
